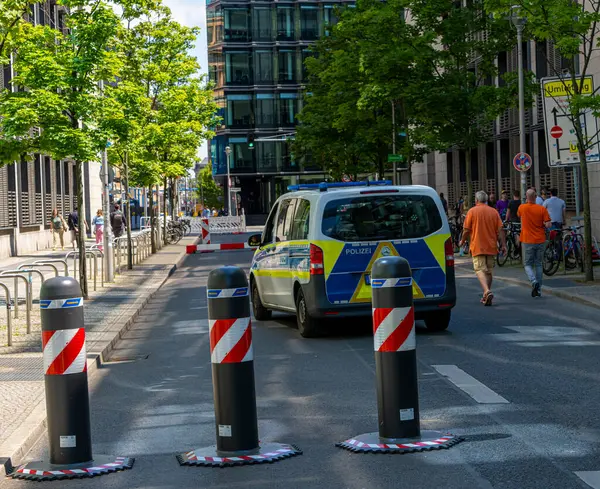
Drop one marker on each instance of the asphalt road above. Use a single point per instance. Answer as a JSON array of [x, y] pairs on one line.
[[532, 419]]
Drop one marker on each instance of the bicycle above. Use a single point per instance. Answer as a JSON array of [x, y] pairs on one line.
[[456, 230], [513, 250], [174, 232], [565, 244], [186, 226]]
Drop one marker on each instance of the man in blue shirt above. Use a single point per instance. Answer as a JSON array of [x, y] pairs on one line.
[[557, 209]]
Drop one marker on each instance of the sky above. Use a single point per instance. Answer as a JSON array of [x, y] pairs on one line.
[[192, 13]]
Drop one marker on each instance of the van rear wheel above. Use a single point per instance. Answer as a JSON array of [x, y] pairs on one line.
[[261, 313], [308, 326], [438, 321]]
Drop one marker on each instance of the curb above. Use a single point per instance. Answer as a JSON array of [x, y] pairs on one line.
[[35, 424], [549, 290]]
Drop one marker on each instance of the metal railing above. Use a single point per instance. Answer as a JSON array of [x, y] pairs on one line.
[[30, 278], [37, 265], [8, 318], [27, 297], [52, 261], [89, 255]]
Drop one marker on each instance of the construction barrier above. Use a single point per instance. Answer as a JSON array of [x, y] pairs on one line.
[[219, 225], [396, 367], [232, 360], [190, 249], [67, 398]]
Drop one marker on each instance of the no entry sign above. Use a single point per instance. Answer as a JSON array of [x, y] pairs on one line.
[[556, 132]]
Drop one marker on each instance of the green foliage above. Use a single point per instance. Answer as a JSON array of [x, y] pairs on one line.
[[210, 193]]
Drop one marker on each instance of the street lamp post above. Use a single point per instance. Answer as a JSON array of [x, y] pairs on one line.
[[519, 23], [228, 153]]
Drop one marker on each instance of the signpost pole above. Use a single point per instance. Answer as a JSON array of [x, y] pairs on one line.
[[519, 24], [576, 189], [394, 167]]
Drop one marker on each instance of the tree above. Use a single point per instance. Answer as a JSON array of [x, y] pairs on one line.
[[208, 191], [573, 29]]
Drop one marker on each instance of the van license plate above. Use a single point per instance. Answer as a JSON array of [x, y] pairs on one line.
[[368, 279]]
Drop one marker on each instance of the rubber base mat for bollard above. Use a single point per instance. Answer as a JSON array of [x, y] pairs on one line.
[[43, 471], [371, 443], [267, 453]]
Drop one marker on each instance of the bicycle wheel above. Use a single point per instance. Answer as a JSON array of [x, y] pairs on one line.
[[501, 259], [551, 258], [579, 258], [569, 251]]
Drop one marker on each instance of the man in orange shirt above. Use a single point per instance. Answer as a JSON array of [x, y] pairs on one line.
[[483, 226], [534, 222]]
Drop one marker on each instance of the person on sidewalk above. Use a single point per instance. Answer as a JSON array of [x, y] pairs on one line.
[[557, 209], [73, 223], [444, 203], [59, 226], [98, 228], [117, 221], [502, 204], [534, 222], [483, 227]]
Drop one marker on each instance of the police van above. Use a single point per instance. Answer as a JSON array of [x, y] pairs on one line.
[[320, 241]]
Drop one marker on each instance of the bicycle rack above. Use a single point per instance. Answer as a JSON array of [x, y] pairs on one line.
[[27, 297], [30, 271], [92, 249], [39, 264], [8, 318], [89, 254], [54, 260]]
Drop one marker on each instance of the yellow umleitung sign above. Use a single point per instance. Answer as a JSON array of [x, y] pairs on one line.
[[564, 88]]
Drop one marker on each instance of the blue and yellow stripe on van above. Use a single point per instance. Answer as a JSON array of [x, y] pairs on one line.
[[287, 259], [348, 266]]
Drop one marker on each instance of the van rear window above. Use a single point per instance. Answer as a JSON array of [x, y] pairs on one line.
[[381, 217]]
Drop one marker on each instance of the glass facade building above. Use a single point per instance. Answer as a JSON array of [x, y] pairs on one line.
[[256, 54]]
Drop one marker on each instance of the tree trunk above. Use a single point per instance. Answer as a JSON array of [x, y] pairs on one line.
[[164, 236], [81, 230], [128, 213], [469, 199], [588, 265], [152, 217], [172, 186]]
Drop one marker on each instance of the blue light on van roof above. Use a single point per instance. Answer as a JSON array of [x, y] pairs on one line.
[[323, 186]]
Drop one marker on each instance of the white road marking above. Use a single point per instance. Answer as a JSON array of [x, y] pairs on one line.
[[591, 478], [540, 336], [478, 391]]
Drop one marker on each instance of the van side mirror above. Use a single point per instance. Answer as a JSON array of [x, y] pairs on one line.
[[254, 240]]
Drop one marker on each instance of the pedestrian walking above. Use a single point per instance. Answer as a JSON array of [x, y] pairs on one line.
[[59, 226], [492, 200], [502, 205], [98, 228], [538, 199], [117, 221], [512, 214], [534, 222], [73, 223], [557, 209], [483, 228], [444, 203]]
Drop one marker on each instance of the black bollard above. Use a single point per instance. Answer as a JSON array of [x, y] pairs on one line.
[[66, 382], [396, 367], [232, 360]]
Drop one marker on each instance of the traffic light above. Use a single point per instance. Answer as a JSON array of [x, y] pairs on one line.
[[251, 141]]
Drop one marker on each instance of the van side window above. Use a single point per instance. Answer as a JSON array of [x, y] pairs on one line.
[[267, 236], [301, 220], [285, 219]]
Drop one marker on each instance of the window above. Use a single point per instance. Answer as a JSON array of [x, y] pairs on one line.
[[287, 61], [242, 157], [329, 19], [261, 24], [309, 23], [267, 236], [267, 157], [214, 26], [263, 67], [236, 24], [301, 220], [381, 217], [288, 109], [306, 53], [238, 68], [239, 111], [47, 180], [215, 68], [285, 23], [284, 220], [266, 116]]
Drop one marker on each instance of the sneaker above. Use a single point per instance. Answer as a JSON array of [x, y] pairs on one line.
[[488, 299], [535, 290]]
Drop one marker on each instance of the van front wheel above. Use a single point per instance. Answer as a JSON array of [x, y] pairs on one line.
[[438, 321], [307, 325]]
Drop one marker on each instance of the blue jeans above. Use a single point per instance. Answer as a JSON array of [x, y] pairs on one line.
[[534, 254]]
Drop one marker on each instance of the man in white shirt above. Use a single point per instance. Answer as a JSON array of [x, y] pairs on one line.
[[557, 209]]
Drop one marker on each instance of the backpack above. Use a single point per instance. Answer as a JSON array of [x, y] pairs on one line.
[[117, 223]]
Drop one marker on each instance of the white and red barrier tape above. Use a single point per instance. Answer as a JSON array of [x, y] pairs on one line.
[[394, 329], [190, 249], [64, 351], [230, 340]]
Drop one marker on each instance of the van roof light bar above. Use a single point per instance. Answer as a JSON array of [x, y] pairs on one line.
[[324, 186]]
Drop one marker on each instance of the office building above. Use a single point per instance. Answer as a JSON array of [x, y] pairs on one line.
[[256, 53]]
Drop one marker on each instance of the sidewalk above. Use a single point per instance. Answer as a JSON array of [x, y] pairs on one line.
[[570, 286], [108, 313]]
